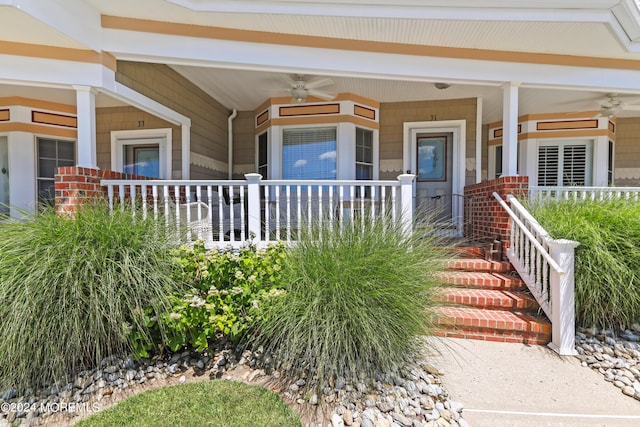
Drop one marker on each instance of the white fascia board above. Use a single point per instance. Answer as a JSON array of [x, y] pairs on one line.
[[242, 55], [136, 99], [512, 10], [627, 12], [74, 18], [51, 72]]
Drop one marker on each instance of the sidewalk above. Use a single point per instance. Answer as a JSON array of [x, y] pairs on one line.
[[503, 384]]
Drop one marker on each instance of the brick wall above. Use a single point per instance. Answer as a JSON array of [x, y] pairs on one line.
[[77, 185], [485, 219]]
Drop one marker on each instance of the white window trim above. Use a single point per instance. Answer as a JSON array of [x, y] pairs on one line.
[[345, 149], [121, 138], [591, 158]]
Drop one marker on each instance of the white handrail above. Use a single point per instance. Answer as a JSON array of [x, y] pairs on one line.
[[547, 273], [529, 235]]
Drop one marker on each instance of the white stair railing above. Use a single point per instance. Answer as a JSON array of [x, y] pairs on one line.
[[546, 266]]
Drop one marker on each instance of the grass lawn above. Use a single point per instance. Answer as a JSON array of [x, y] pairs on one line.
[[204, 403]]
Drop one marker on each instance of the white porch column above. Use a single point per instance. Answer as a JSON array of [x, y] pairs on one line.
[[510, 129], [86, 112]]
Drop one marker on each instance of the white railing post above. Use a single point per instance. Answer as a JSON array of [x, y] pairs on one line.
[[406, 202], [562, 298], [253, 208]]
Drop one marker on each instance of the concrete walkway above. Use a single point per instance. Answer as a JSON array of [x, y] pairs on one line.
[[503, 384]]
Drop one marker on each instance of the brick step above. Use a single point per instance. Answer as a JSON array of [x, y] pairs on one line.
[[469, 251], [489, 299], [478, 264], [492, 325], [482, 280]]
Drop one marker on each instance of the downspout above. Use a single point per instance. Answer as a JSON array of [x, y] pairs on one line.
[[233, 115]]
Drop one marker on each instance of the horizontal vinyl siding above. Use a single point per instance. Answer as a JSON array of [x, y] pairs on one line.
[[208, 117]]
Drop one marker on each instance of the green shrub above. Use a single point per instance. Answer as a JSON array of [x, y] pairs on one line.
[[607, 268], [206, 403], [226, 290], [357, 297], [73, 290]]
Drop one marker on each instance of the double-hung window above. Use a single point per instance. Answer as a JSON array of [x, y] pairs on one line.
[[364, 153], [52, 153]]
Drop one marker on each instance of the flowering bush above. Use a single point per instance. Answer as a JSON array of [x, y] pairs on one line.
[[227, 289]]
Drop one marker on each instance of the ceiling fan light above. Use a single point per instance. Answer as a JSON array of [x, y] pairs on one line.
[[299, 94]]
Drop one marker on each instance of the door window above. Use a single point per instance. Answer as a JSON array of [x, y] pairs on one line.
[[432, 158], [142, 160]]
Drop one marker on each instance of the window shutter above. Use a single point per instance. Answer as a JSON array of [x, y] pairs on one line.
[[574, 165], [548, 163]]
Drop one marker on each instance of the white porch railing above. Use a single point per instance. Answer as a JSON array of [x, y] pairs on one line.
[[541, 193], [547, 268], [232, 212]]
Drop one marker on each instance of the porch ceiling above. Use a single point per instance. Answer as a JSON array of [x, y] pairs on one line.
[[246, 90], [563, 28]]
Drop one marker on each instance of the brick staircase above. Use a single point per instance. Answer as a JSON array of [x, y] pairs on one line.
[[486, 300]]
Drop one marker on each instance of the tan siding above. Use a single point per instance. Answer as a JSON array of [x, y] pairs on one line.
[[243, 141], [627, 152], [394, 114], [128, 118], [208, 116]]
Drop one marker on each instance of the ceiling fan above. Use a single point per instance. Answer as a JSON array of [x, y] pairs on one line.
[[614, 104], [301, 88]]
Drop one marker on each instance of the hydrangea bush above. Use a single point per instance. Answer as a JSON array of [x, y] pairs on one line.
[[227, 289]]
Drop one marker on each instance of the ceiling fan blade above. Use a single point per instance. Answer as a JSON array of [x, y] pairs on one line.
[[632, 101], [315, 84], [327, 96], [631, 107]]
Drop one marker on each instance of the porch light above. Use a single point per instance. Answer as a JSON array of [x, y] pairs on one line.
[[442, 86], [299, 94]]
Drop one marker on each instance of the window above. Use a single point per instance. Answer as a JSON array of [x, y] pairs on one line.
[[610, 165], [564, 163], [263, 157], [498, 161], [364, 154], [309, 153], [52, 153]]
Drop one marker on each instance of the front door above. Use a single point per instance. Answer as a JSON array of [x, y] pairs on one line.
[[4, 176], [434, 171]]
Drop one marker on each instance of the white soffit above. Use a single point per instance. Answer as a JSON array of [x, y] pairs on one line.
[[564, 27]]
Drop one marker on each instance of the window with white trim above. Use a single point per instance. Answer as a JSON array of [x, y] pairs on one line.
[[52, 153], [364, 153], [309, 153], [566, 163], [498, 162], [610, 164], [263, 155]]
